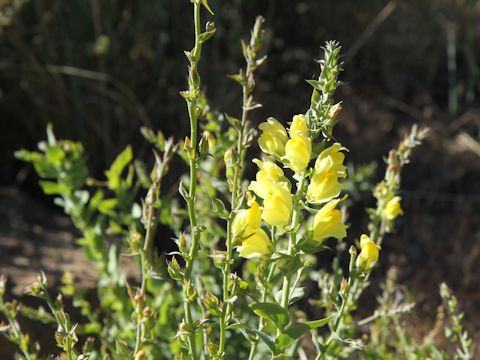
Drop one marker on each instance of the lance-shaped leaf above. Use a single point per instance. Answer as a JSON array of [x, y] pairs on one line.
[[296, 331], [273, 312]]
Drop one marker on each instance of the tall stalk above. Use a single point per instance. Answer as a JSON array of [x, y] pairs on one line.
[[247, 82], [150, 224], [191, 144], [266, 288]]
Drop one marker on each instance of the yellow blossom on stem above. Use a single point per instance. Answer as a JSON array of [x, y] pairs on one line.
[[256, 245], [324, 184], [246, 221], [328, 223], [369, 253], [278, 206], [251, 240], [273, 138], [323, 187], [332, 158], [298, 128], [392, 209], [267, 177], [297, 153]]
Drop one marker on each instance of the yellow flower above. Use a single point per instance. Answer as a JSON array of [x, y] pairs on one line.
[[393, 208], [369, 253], [323, 187], [298, 152], [256, 245], [277, 206], [268, 175], [328, 223], [273, 138], [298, 128], [246, 222], [332, 158]]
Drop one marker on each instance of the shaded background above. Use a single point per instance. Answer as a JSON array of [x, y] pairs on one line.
[[98, 70]]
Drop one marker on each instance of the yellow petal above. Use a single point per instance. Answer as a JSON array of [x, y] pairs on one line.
[[298, 152], [323, 187], [298, 128], [328, 223], [273, 138], [258, 244]]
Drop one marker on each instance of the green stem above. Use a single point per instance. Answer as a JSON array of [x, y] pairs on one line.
[[62, 321], [237, 176], [293, 234], [352, 279], [194, 85], [261, 324], [145, 259]]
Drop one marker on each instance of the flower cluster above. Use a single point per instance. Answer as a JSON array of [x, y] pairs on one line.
[[294, 151]]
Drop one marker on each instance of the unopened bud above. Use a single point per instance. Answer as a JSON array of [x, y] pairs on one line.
[[141, 355], [352, 250], [174, 269], [219, 258], [182, 243], [188, 291], [203, 145], [211, 140], [211, 302], [147, 312], [343, 287], [135, 240], [335, 110]]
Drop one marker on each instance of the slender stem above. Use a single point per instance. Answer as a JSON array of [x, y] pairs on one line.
[[237, 176], [292, 239], [62, 321], [352, 279], [266, 288], [145, 260], [194, 86]]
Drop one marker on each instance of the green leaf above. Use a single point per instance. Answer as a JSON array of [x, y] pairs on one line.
[[296, 331], [107, 205], [273, 312], [267, 340], [114, 173], [205, 3], [295, 295], [238, 326], [52, 188], [289, 265]]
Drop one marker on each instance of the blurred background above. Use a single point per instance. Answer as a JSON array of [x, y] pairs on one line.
[[98, 70]]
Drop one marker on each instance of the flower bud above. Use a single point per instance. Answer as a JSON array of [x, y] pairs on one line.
[[273, 138], [174, 269], [335, 110], [328, 223], [368, 255], [203, 145], [141, 355], [211, 302], [298, 128], [182, 243], [392, 209], [297, 153]]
